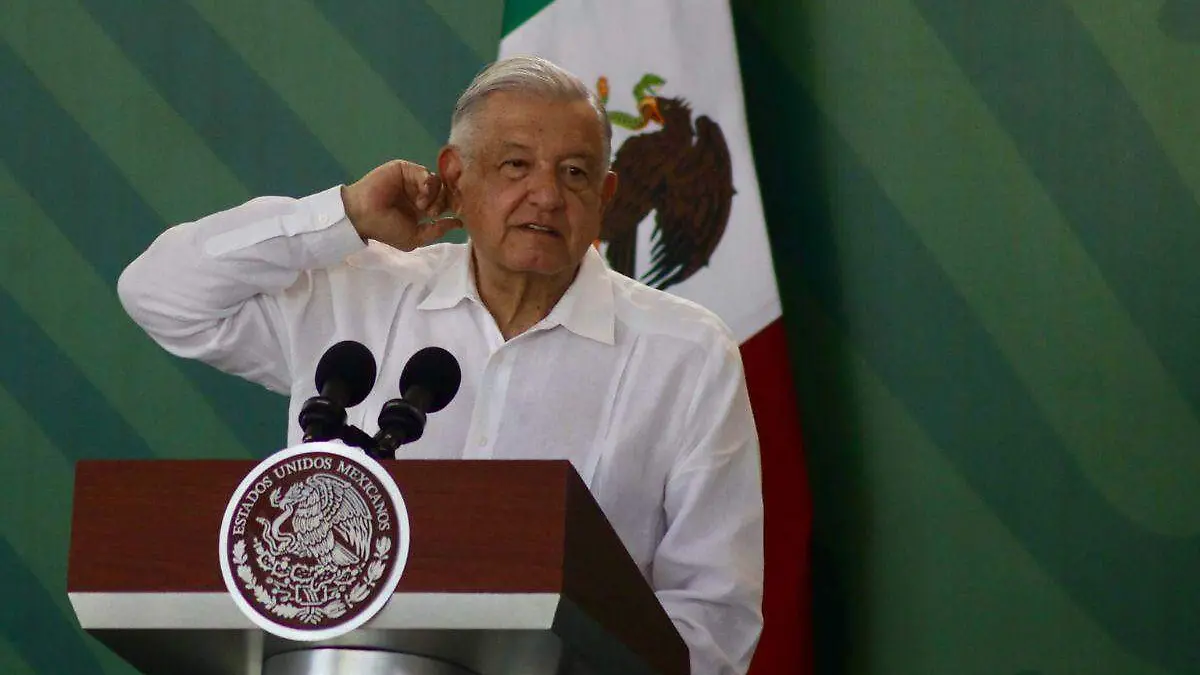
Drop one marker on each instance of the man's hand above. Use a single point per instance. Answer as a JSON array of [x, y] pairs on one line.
[[394, 203]]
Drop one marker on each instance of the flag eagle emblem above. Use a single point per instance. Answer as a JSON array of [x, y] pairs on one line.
[[681, 171]]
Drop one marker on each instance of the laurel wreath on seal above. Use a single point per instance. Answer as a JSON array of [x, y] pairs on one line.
[[334, 608]]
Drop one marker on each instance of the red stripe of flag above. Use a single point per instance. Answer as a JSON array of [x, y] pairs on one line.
[[786, 644]]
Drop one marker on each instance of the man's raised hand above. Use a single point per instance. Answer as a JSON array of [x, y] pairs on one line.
[[398, 204]]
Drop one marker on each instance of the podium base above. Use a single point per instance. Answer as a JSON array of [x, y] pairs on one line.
[[339, 661]]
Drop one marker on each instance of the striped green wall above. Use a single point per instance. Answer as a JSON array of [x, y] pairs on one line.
[[117, 118], [984, 218]]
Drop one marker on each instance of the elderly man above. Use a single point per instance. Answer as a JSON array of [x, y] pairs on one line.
[[562, 358]]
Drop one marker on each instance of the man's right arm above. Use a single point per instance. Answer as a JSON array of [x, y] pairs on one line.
[[208, 289]]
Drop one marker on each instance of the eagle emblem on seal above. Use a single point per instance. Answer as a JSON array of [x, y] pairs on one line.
[[315, 551], [681, 171], [321, 519], [309, 541]]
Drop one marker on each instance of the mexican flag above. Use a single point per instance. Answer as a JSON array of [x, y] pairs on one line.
[[694, 226]]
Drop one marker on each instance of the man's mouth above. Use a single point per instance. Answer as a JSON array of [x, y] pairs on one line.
[[542, 229]]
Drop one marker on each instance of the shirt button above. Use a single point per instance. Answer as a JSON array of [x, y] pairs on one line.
[[482, 441], [323, 219]]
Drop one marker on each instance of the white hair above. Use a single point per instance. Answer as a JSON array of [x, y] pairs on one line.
[[528, 75]]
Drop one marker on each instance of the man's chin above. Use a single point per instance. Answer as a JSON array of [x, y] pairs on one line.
[[542, 264], [536, 260]]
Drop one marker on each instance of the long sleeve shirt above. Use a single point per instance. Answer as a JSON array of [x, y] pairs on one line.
[[641, 391]]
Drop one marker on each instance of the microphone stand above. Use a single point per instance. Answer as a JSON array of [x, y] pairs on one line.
[[324, 420], [353, 436], [401, 421]]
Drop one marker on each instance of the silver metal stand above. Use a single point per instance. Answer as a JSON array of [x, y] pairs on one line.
[[342, 661]]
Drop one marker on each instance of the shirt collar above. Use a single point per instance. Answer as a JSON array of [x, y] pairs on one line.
[[451, 283], [586, 309]]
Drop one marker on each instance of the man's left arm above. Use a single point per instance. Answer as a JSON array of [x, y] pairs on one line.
[[708, 569]]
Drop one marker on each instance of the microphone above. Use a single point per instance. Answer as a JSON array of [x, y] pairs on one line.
[[428, 383], [345, 375]]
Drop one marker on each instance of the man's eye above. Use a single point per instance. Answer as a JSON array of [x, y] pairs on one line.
[[515, 163]]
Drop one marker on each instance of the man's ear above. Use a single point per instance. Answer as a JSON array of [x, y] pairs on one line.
[[450, 163], [607, 190]]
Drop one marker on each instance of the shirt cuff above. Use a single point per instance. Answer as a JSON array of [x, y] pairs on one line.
[[333, 236]]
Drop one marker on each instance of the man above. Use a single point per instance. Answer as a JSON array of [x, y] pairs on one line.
[[562, 358]]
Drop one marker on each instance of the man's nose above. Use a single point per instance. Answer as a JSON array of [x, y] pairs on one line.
[[545, 190]]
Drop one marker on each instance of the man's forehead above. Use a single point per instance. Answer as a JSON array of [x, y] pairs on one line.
[[568, 145], [508, 102], [509, 120]]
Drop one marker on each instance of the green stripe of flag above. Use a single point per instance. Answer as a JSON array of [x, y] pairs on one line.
[[517, 12]]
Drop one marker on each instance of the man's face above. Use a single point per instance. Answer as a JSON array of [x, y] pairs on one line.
[[533, 192]]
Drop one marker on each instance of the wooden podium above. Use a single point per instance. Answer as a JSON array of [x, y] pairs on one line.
[[512, 568]]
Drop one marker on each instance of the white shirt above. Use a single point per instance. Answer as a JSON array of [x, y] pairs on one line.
[[642, 391]]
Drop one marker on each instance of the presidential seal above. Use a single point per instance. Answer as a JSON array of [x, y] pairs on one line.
[[313, 541]]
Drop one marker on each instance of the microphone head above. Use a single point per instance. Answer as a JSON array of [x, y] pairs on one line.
[[351, 366], [436, 371]]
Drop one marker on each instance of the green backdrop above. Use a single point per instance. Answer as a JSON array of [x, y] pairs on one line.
[[984, 217]]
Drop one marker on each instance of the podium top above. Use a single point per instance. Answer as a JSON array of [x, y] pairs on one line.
[[481, 530]]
